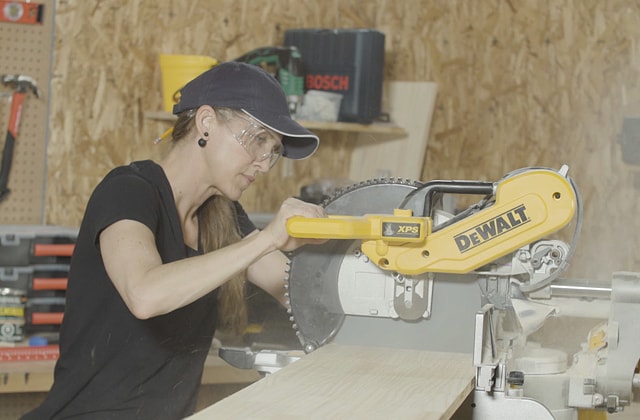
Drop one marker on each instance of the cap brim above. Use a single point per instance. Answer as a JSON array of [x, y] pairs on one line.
[[297, 141]]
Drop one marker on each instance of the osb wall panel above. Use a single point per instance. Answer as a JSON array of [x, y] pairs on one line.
[[521, 83], [541, 84]]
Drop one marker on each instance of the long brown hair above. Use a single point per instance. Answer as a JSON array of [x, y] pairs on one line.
[[219, 228]]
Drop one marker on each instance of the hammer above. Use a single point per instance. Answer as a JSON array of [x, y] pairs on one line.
[[22, 85]]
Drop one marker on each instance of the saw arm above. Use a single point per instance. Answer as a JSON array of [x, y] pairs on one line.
[[399, 228], [529, 205]]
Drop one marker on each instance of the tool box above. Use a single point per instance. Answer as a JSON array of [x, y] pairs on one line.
[[346, 61], [44, 314], [12, 316], [35, 279], [34, 270], [22, 245]]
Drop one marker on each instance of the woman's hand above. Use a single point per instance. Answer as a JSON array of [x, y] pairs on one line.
[[277, 229]]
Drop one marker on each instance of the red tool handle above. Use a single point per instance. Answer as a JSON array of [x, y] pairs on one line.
[[46, 318], [12, 134], [17, 100], [53, 250], [21, 12], [53, 283]]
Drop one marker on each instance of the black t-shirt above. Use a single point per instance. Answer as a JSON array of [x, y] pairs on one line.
[[113, 365]]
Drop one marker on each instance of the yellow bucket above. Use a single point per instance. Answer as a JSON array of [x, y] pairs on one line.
[[177, 70]]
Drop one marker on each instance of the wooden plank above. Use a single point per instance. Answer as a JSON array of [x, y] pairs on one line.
[[338, 381], [411, 106]]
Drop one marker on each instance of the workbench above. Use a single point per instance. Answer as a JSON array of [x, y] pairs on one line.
[[340, 381], [37, 376], [23, 385]]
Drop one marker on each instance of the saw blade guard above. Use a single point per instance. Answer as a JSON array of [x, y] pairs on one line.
[[313, 285]]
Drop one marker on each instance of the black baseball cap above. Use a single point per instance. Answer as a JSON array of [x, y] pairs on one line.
[[248, 88]]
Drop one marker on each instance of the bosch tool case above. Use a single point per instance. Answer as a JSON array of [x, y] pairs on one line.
[[346, 61]]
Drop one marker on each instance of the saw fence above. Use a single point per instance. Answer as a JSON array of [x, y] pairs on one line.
[[26, 49]]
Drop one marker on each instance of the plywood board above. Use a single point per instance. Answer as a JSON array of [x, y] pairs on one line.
[[338, 381], [411, 107]]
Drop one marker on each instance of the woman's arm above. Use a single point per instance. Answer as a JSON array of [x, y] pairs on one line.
[[151, 288]]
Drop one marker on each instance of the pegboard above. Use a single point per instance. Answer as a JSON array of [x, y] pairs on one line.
[[26, 49]]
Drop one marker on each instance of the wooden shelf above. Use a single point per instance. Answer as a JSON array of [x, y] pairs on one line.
[[380, 128], [373, 128], [160, 115]]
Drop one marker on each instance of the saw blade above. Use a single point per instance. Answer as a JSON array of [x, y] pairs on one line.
[[313, 280]]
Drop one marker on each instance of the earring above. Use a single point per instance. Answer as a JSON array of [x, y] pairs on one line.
[[202, 142]]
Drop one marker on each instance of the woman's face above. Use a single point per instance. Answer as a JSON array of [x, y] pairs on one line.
[[241, 149]]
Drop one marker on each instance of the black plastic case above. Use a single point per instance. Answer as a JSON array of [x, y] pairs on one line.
[[346, 61]]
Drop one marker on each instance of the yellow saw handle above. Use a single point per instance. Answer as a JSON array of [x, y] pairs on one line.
[[398, 228]]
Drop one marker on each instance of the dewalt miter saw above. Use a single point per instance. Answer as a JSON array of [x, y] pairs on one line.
[[400, 239], [401, 269]]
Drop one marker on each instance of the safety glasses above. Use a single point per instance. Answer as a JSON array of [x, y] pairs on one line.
[[261, 144]]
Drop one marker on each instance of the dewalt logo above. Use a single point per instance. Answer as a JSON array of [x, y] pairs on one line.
[[491, 229]]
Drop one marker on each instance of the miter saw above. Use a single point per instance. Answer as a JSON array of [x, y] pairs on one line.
[[399, 269]]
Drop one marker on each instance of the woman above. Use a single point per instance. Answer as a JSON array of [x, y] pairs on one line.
[[164, 248]]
